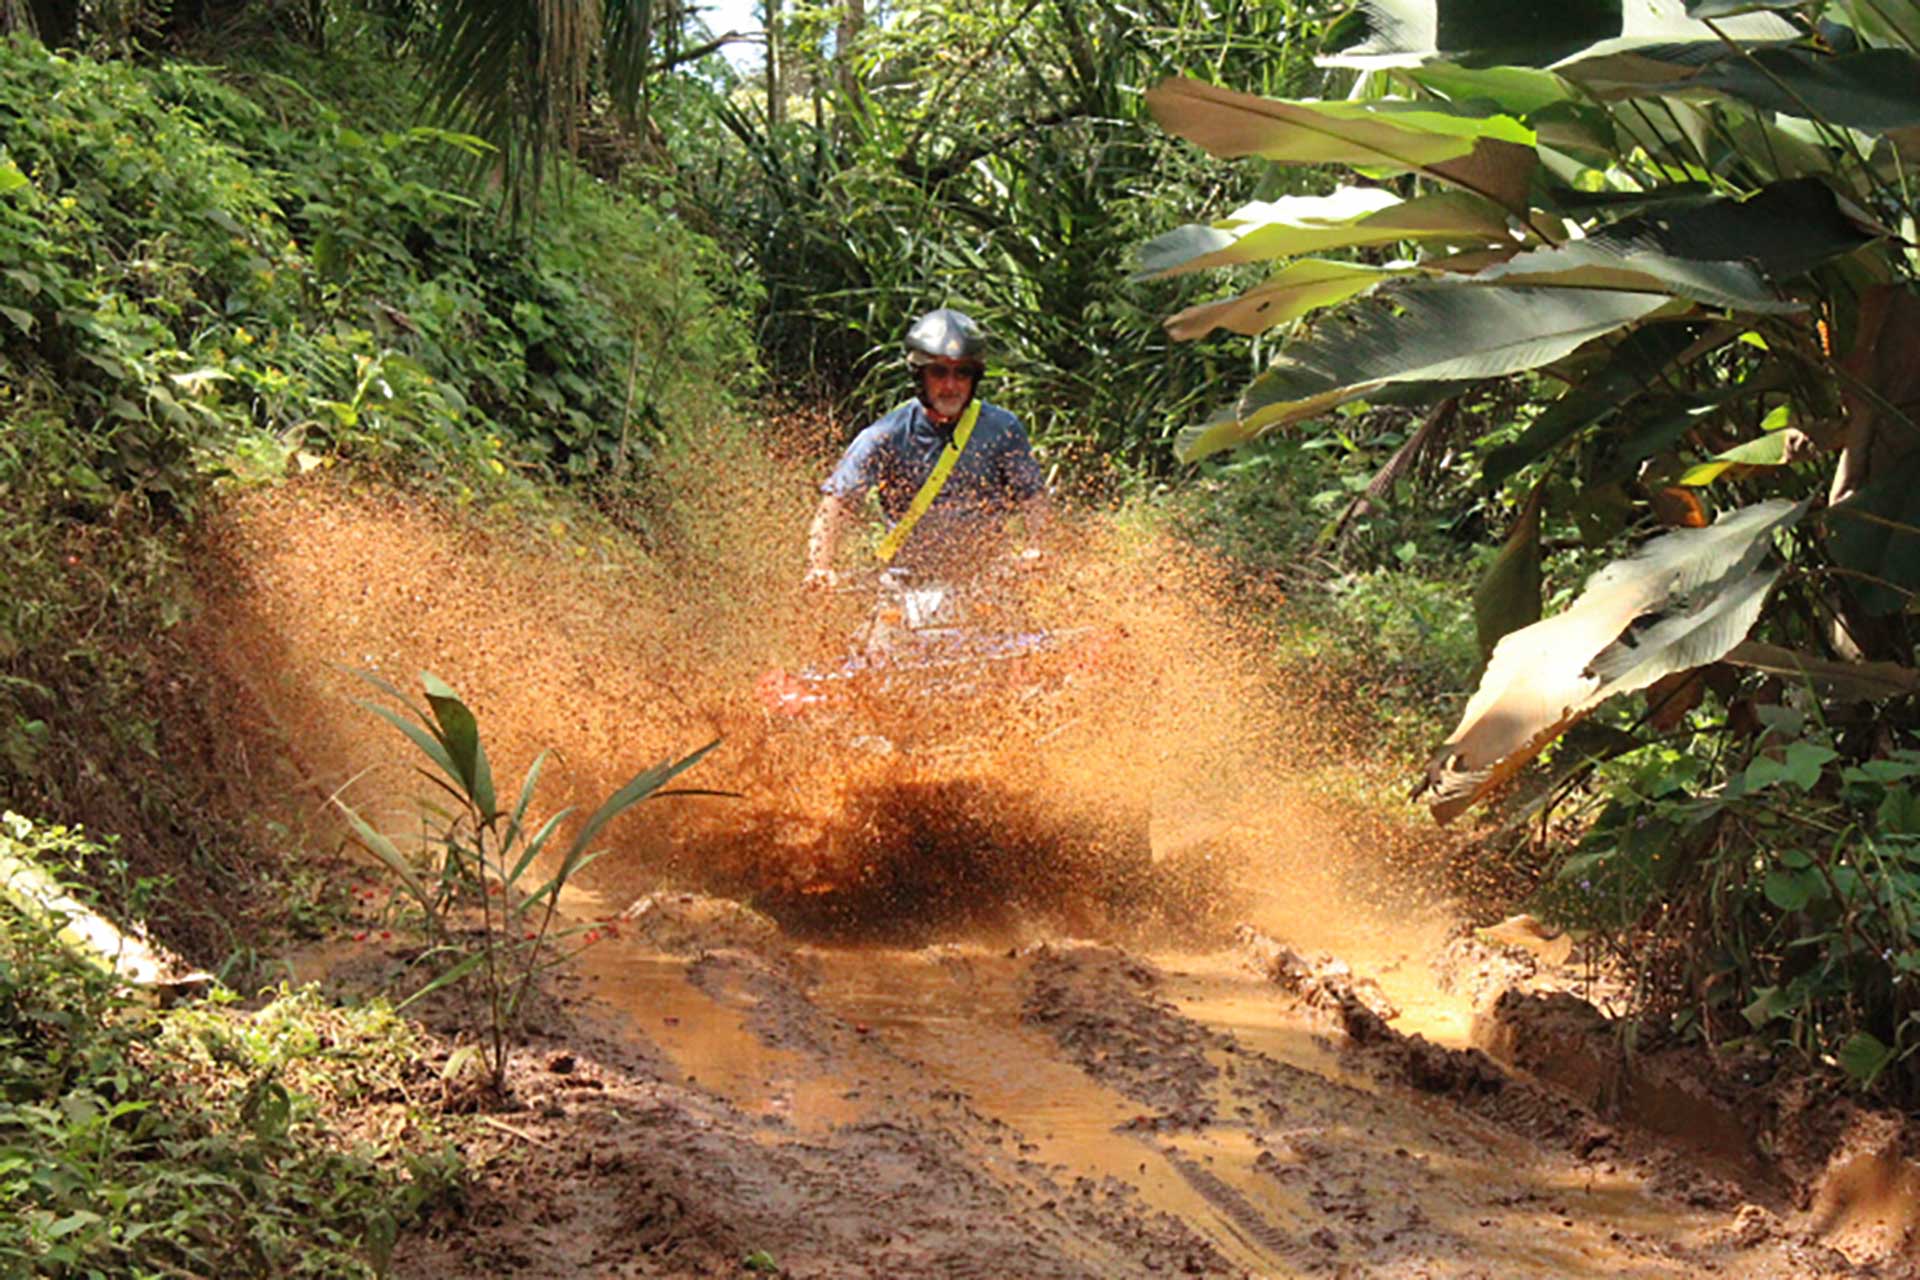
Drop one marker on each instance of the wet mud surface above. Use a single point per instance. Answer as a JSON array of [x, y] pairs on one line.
[[1065, 1108]]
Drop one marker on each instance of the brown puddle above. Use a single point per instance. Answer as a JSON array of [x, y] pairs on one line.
[[708, 1038]]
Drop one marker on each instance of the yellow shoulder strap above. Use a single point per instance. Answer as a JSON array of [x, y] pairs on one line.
[[930, 489]]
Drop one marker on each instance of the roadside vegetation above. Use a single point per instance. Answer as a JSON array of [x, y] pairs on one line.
[[1577, 370]]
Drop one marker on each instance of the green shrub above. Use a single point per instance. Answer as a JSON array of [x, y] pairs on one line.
[[1789, 865], [203, 1140]]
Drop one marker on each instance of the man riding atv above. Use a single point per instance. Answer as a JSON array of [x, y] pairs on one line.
[[948, 467], [977, 759]]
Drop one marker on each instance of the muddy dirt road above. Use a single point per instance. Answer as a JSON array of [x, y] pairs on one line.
[[971, 1036], [726, 1100]]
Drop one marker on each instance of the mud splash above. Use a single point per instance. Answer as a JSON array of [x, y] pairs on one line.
[[1155, 796]]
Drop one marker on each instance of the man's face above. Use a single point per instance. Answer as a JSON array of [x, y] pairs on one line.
[[949, 387]]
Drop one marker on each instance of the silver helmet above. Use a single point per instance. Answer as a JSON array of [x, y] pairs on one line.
[[946, 334]]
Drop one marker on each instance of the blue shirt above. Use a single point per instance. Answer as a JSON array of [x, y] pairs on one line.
[[895, 455]]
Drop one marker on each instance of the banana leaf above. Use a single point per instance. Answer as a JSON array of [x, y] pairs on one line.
[[1523, 33], [1295, 225], [1291, 292], [1683, 600], [1490, 155], [1443, 331]]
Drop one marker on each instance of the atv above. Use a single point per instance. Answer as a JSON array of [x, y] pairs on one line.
[[957, 762]]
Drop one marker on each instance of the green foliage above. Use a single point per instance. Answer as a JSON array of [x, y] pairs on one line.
[[141, 1142], [486, 858], [988, 157], [1801, 874], [1699, 297], [211, 278], [213, 281]]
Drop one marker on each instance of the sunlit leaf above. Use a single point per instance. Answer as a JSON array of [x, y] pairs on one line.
[[1637, 262], [1291, 292], [1520, 91], [1682, 601], [1295, 225], [1769, 450], [1490, 155]]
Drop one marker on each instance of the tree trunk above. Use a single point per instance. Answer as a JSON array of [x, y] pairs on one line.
[[55, 22], [853, 20], [776, 99]]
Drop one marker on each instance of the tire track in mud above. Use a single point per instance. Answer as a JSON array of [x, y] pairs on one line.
[[951, 1167], [1258, 1230]]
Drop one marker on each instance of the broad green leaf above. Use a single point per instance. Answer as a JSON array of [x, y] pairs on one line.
[[1790, 890], [1876, 532], [11, 179], [1295, 225], [1768, 1003], [1899, 812], [1705, 9], [1489, 155], [1800, 764], [1682, 601], [1520, 91], [1633, 366], [1806, 760], [1444, 331], [1674, 134], [1291, 292], [1783, 229], [1889, 24], [1404, 33], [1769, 450], [1508, 596], [460, 732], [1864, 1057], [1874, 512]]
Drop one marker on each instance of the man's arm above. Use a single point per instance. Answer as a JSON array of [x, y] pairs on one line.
[[830, 521]]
